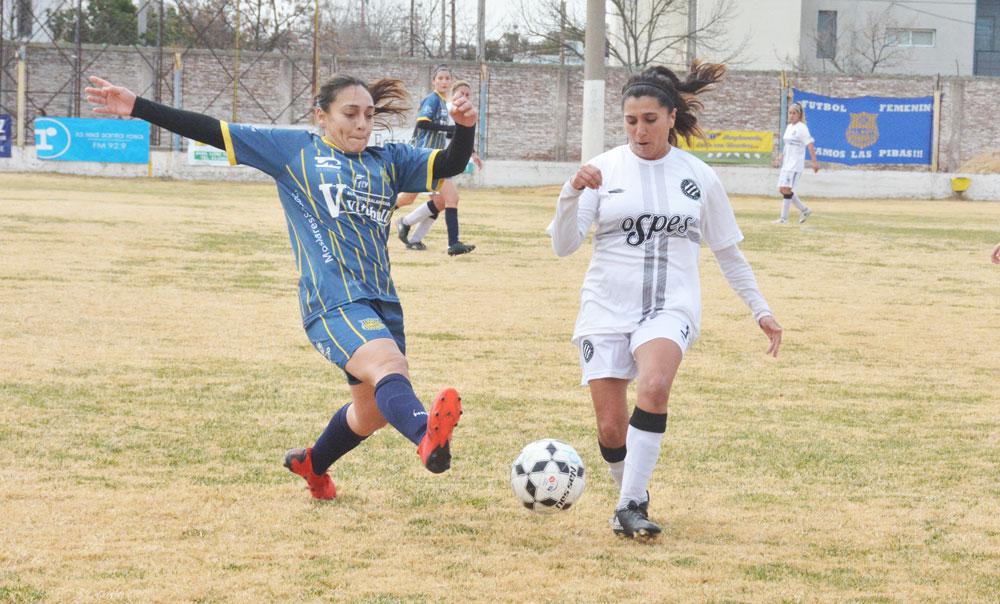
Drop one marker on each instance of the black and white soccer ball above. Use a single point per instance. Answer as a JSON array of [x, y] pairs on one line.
[[547, 476]]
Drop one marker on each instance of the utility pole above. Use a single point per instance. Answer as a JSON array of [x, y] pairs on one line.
[[484, 76], [452, 30], [444, 29], [413, 15], [692, 41], [593, 82]]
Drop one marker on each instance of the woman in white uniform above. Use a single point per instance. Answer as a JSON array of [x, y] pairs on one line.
[[793, 159], [653, 205]]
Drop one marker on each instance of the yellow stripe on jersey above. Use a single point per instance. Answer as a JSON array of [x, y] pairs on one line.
[[305, 179], [298, 258], [333, 339], [348, 321], [340, 252], [228, 139], [303, 189], [423, 119], [311, 272], [327, 141], [430, 171]]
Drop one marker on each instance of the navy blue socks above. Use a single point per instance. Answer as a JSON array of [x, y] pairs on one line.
[[334, 442], [451, 219], [399, 405]]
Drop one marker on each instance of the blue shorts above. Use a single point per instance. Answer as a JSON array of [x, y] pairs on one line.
[[340, 331]]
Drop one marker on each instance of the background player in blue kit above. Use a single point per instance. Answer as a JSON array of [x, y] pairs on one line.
[[432, 130], [338, 196]]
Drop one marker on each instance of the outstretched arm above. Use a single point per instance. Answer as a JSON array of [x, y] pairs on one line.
[[812, 153], [455, 157], [740, 277], [109, 99]]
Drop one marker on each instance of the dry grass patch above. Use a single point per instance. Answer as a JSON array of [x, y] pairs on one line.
[[154, 370]]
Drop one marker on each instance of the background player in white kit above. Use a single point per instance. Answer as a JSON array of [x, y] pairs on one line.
[[793, 159], [640, 304]]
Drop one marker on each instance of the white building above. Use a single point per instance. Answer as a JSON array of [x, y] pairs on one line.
[[951, 37]]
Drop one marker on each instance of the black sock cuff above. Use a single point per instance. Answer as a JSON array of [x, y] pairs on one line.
[[392, 377], [612, 455], [788, 195], [648, 422], [451, 211], [433, 208]]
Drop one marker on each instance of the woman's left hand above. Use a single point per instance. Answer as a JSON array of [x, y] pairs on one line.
[[463, 111], [815, 166], [769, 325]]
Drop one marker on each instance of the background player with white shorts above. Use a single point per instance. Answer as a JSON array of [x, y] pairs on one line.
[[793, 159], [640, 305]]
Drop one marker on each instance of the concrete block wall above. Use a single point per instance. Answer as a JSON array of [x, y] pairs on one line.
[[534, 111]]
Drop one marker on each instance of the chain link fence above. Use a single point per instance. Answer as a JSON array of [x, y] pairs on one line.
[[257, 61]]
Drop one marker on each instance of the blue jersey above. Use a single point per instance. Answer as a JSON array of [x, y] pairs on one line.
[[338, 207], [433, 109]]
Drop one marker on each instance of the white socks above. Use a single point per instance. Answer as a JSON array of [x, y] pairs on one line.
[[643, 453], [421, 231], [617, 469], [798, 202], [418, 214], [642, 441]]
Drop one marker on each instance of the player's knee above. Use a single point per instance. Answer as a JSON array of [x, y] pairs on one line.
[[654, 390], [385, 365], [611, 432]]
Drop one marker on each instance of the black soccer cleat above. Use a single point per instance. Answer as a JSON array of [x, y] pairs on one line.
[[416, 245], [459, 248], [633, 522], [404, 231]]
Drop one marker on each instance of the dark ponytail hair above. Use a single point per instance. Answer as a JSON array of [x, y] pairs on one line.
[[388, 94], [664, 85]]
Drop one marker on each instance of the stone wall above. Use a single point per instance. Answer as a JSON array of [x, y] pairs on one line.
[[533, 110]]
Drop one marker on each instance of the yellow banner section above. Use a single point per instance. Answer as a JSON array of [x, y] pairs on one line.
[[732, 146], [732, 141]]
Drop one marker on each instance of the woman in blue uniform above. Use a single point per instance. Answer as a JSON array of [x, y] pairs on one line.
[[338, 195], [434, 128]]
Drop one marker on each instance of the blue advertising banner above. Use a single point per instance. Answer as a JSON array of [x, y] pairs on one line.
[[88, 139], [5, 127], [869, 129]]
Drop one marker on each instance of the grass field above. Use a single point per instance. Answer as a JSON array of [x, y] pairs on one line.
[[153, 371]]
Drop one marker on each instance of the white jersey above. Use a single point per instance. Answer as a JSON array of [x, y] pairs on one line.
[[651, 218], [796, 139]]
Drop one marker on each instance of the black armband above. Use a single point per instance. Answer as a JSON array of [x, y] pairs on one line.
[[455, 157], [188, 124], [432, 127]]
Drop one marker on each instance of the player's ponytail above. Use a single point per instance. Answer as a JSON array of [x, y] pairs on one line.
[[388, 94], [390, 98], [663, 84]]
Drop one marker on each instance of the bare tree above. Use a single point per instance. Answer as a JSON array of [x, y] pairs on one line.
[[867, 45], [640, 33]]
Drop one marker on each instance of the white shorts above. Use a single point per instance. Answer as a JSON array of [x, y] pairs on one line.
[[613, 355], [788, 178]]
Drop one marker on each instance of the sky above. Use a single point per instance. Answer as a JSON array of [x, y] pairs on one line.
[[501, 13]]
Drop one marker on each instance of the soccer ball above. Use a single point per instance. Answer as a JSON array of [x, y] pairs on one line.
[[547, 476]]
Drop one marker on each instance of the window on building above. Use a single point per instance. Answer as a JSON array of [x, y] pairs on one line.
[[984, 33], [920, 38], [826, 35], [987, 45]]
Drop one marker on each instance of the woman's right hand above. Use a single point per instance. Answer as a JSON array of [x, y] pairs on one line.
[[587, 177], [109, 99]]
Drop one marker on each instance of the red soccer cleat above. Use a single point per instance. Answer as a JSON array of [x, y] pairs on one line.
[[434, 449], [299, 461]]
